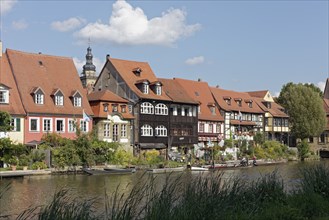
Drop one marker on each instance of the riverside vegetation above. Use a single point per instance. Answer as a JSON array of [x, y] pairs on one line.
[[205, 197]]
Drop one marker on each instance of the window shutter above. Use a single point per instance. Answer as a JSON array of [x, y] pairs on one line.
[[18, 124]]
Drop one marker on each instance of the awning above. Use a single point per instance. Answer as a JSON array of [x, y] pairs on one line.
[[152, 146]]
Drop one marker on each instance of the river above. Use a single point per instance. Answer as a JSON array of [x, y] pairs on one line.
[[38, 190]]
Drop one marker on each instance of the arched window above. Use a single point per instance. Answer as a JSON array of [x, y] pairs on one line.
[[147, 108], [146, 130], [161, 109], [161, 131]]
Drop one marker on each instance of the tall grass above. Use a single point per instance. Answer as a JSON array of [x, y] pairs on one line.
[[204, 197]]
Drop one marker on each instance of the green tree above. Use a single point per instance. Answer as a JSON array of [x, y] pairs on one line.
[[5, 119], [303, 149], [305, 109], [259, 139]]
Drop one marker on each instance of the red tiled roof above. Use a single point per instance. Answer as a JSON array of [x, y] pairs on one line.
[[201, 93], [258, 94], [125, 68], [176, 92], [221, 94], [48, 73], [106, 96], [275, 109], [15, 106]]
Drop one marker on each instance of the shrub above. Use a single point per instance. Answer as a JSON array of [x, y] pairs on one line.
[[39, 165]]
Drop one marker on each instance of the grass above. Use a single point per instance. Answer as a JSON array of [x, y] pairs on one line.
[[205, 197]]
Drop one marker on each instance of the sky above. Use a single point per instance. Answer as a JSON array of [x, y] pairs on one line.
[[237, 45]]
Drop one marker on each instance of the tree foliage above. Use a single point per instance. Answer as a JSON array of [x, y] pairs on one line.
[[304, 106], [5, 121]]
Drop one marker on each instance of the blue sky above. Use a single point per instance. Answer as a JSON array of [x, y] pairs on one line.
[[238, 45]]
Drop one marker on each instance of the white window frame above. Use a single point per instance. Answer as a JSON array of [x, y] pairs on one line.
[[39, 98], [115, 132], [5, 96], [146, 130], [77, 100], [50, 124], [107, 129], [161, 131], [161, 109], [63, 120], [145, 88], [71, 126], [84, 125], [13, 123], [123, 130], [147, 108], [38, 124], [158, 89], [59, 100]]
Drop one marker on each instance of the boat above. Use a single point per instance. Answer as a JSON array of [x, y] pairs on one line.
[[199, 168], [167, 170], [107, 171]]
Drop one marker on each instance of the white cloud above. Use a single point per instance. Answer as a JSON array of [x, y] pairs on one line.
[[20, 25], [130, 26], [195, 60], [68, 25], [96, 61], [6, 6], [321, 85]]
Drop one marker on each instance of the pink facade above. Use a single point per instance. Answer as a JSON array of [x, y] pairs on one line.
[[37, 126]]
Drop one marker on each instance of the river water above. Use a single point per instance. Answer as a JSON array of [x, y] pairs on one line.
[[38, 190]]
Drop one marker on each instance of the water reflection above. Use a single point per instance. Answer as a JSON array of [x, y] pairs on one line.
[[38, 190]]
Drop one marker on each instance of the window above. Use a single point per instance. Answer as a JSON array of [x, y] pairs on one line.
[[158, 89], [107, 129], [211, 128], [59, 100], [217, 128], [147, 108], [146, 130], [201, 127], [130, 108], [213, 110], [183, 111], [4, 96], [114, 107], [228, 101], [77, 101], [161, 109], [47, 124], [145, 88], [161, 131], [106, 107], [34, 124], [39, 98], [190, 111], [60, 125], [123, 130], [115, 132], [199, 109], [72, 126], [83, 126], [15, 124], [174, 110], [123, 108], [250, 104], [239, 103]]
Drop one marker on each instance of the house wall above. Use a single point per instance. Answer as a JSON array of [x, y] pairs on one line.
[[18, 136], [37, 135]]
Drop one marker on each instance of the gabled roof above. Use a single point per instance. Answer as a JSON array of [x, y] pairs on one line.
[[98, 98], [126, 68], [201, 93], [221, 94], [48, 73], [275, 109], [176, 92], [258, 94], [15, 106], [106, 96]]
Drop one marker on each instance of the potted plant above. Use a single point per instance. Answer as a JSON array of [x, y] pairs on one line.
[[24, 161], [13, 161]]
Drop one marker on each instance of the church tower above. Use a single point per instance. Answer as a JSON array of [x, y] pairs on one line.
[[88, 76]]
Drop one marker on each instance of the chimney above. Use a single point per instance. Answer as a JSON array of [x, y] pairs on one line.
[[217, 86], [199, 80], [107, 56]]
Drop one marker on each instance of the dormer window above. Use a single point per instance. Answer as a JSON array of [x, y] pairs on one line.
[[58, 97], [137, 71], [123, 108], [77, 99], [227, 100], [145, 88], [158, 89], [38, 96], [249, 102], [238, 102], [4, 94]]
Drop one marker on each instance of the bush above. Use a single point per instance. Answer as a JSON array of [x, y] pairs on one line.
[[39, 165], [24, 160]]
